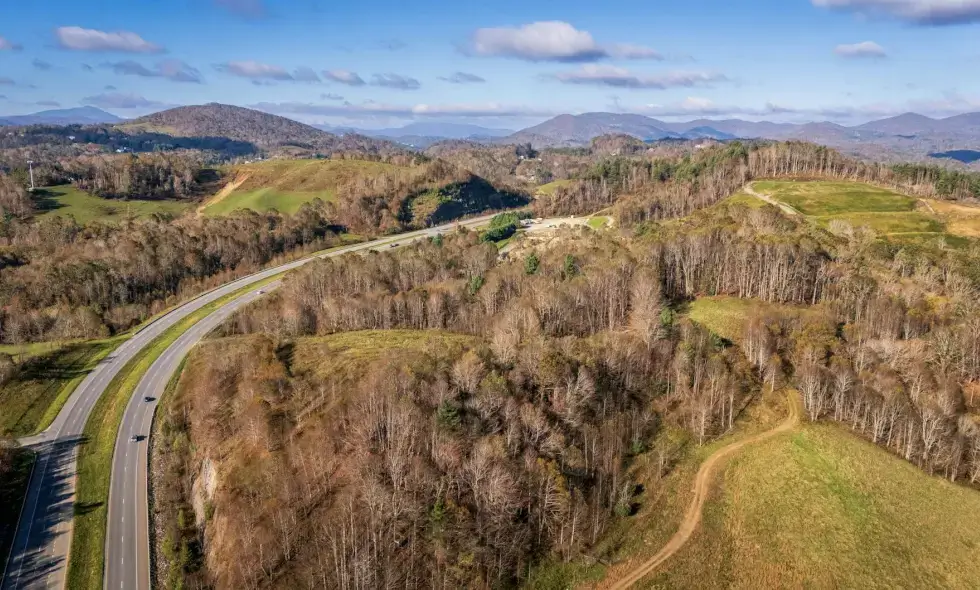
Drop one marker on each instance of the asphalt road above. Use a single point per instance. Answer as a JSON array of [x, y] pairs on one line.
[[127, 556], [39, 555]]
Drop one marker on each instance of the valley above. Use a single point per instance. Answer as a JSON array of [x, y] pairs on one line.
[[356, 372]]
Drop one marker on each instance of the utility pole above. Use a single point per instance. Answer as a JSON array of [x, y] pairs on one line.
[[30, 166]]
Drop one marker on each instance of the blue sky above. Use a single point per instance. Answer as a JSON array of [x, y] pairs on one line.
[[501, 64]]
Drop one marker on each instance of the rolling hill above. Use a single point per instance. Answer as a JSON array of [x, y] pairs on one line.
[[260, 129]]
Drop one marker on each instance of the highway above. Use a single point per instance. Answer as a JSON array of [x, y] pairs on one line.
[[42, 542], [127, 551]]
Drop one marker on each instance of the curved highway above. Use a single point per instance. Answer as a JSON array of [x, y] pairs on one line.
[[42, 542]]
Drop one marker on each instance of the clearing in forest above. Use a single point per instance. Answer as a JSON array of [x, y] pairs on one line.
[[860, 205], [819, 507], [67, 200], [286, 185]]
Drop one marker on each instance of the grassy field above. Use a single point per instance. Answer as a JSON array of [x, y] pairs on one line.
[[820, 508], [266, 199], [726, 316], [598, 222], [349, 353], [95, 456], [84, 207], [834, 198], [741, 198], [961, 220], [45, 381], [285, 185], [892, 216], [550, 188], [883, 222]]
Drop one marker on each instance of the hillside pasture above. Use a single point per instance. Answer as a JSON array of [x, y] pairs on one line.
[[65, 200], [820, 198], [285, 185], [819, 507]]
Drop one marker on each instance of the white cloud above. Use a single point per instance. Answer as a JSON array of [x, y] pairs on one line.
[[396, 81], [604, 75], [7, 45], [550, 41], [115, 100], [921, 12], [260, 71], [344, 77], [463, 78], [171, 69], [859, 50], [79, 39]]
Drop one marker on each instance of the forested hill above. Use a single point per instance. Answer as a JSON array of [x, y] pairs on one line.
[[258, 128]]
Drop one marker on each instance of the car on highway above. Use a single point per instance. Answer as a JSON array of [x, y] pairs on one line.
[[134, 438], [148, 399], [393, 245], [260, 292]]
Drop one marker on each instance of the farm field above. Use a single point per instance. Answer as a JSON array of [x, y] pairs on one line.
[[285, 185], [67, 200]]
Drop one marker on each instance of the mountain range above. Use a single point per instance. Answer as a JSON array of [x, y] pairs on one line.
[[75, 116], [907, 136], [424, 133]]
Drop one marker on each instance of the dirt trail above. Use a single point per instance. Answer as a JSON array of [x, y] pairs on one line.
[[692, 518], [224, 192], [750, 189]]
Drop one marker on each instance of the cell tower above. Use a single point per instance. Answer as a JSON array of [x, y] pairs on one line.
[[30, 166]]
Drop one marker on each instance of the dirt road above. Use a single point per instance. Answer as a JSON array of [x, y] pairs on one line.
[[750, 189], [701, 487], [224, 192]]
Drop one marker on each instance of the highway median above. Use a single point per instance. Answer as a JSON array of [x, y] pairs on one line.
[[86, 565]]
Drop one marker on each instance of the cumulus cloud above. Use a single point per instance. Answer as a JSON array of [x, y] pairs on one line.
[[265, 72], [7, 45], [171, 69], [604, 75], [374, 109], [463, 78], [117, 100], [920, 12], [41, 65], [79, 39], [246, 8], [344, 77], [396, 81], [48, 103], [550, 41], [859, 50]]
